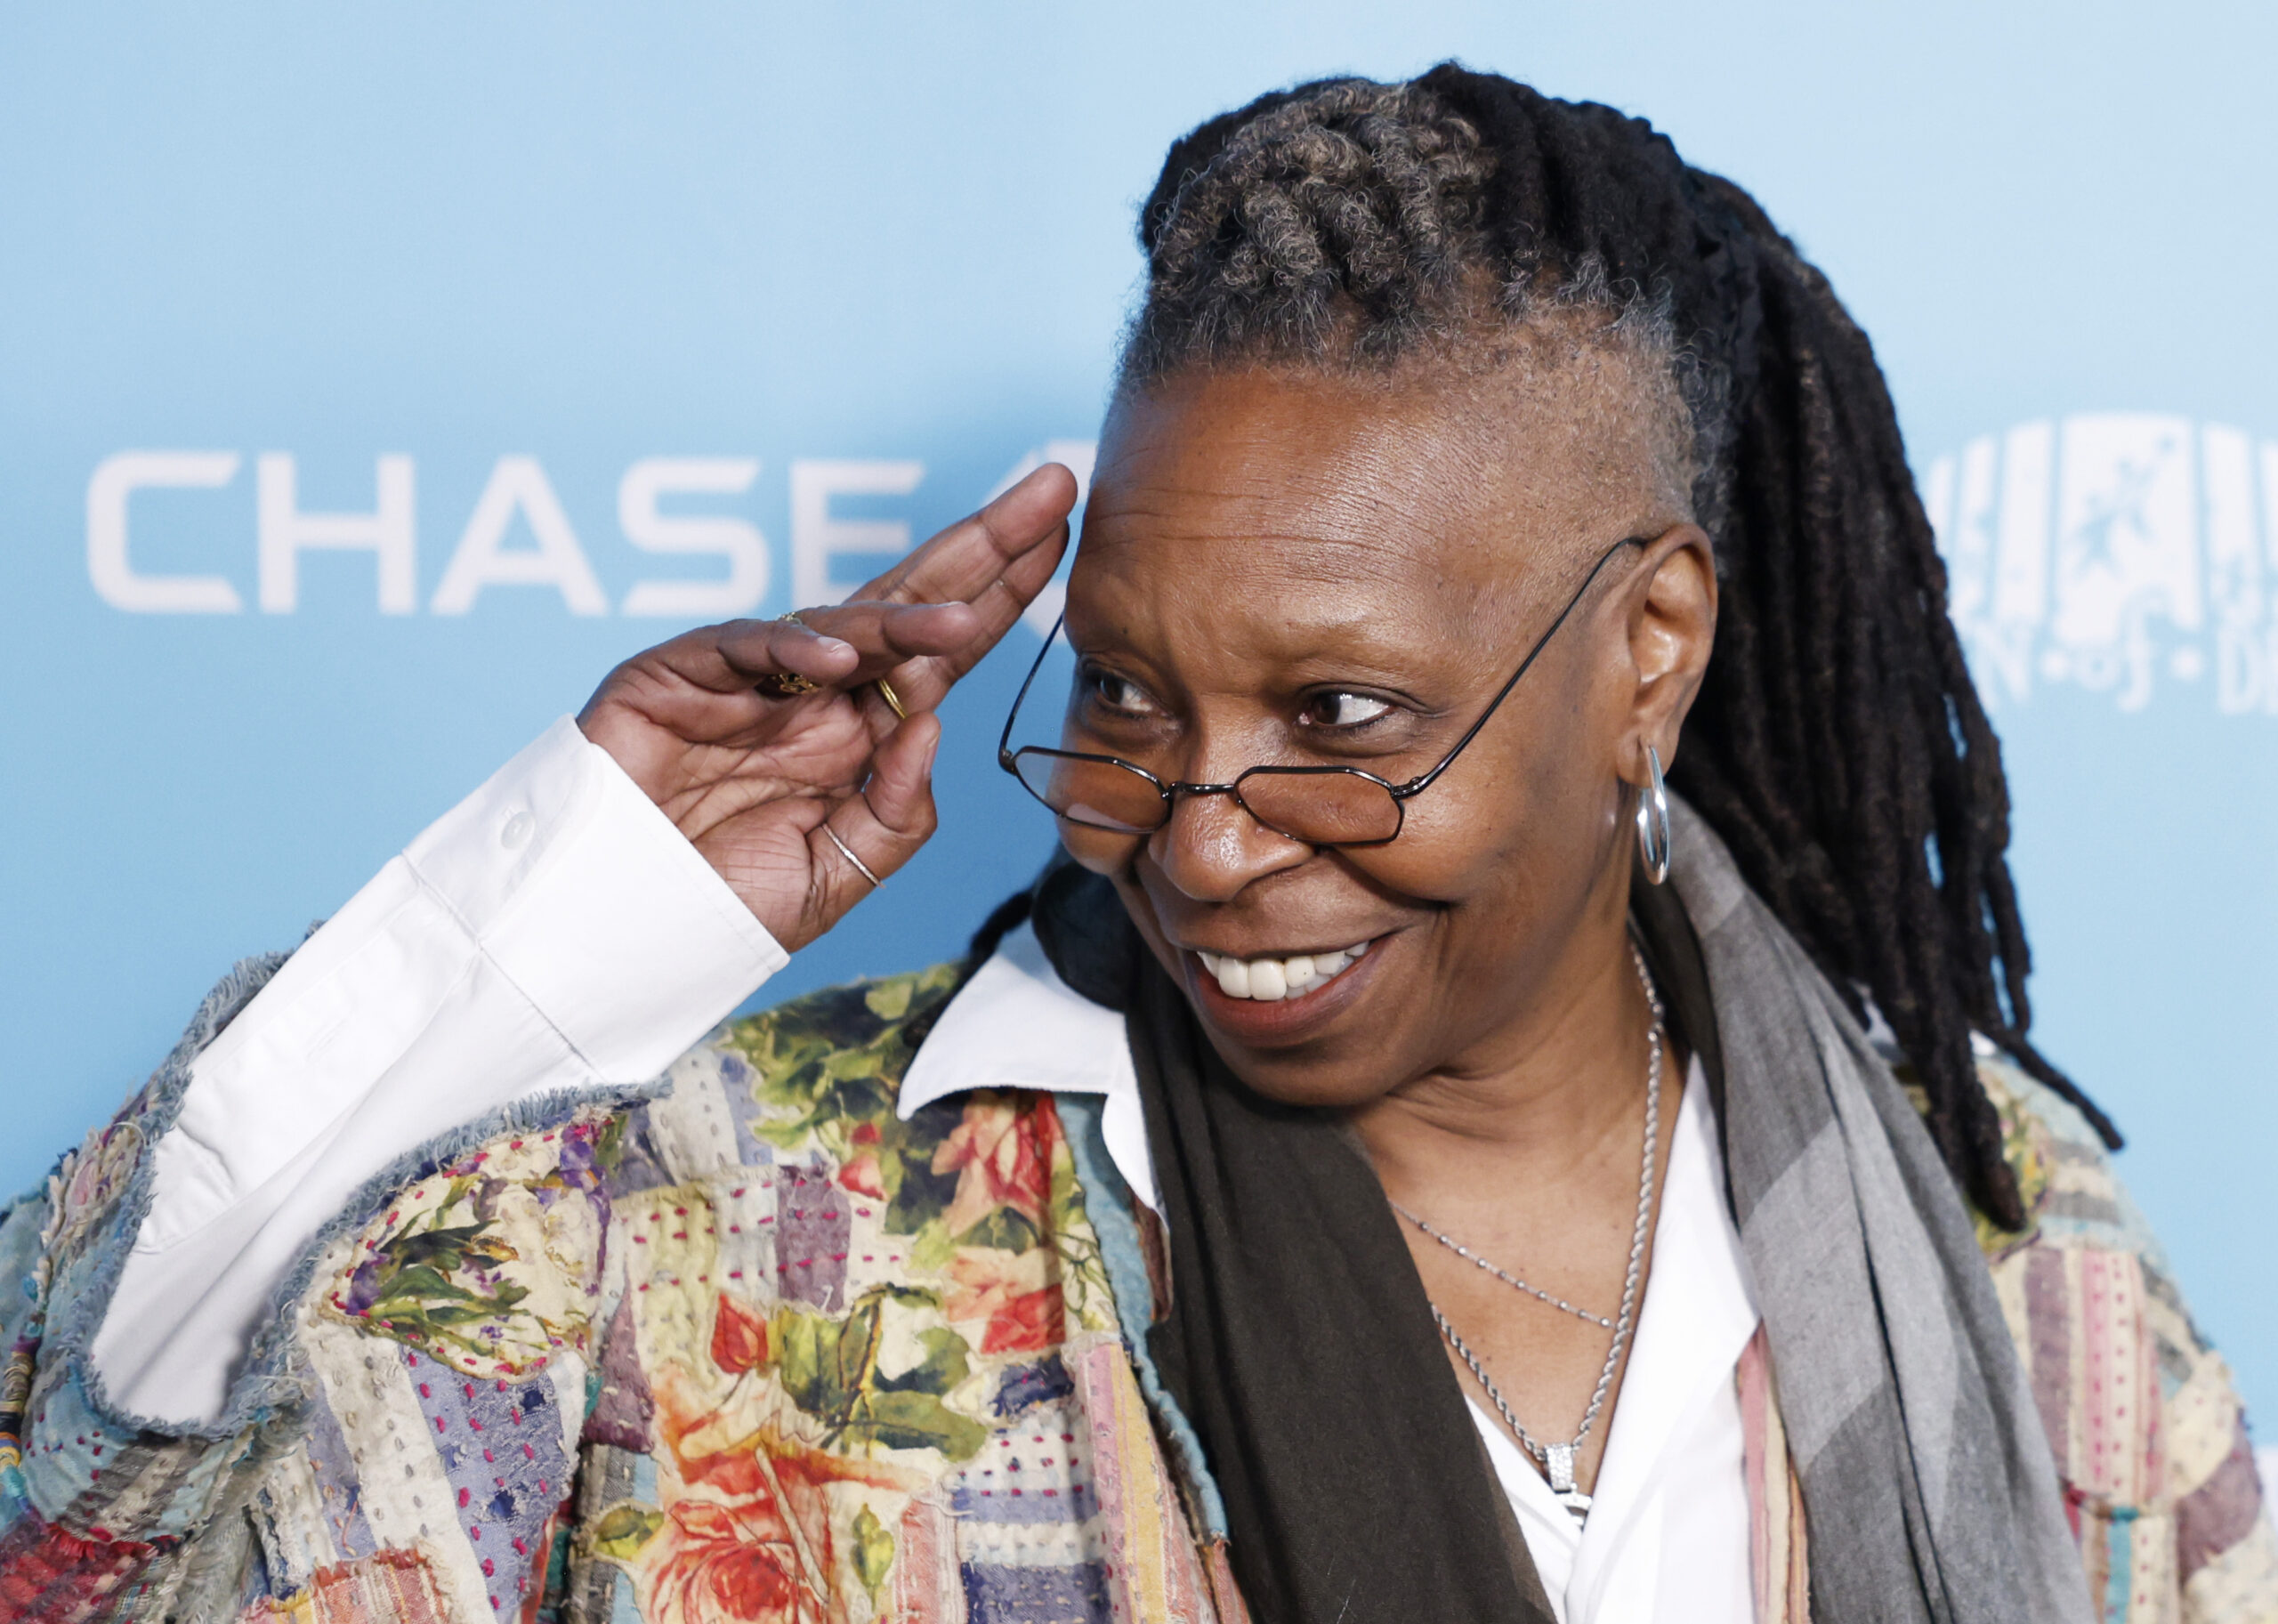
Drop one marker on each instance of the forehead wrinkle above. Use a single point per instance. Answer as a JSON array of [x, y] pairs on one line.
[[1269, 616], [1313, 584], [1246, 646], [1332, 560], [1349, 502], [1242, 457], [1466, 507], [1286, 604], [1344, 530]]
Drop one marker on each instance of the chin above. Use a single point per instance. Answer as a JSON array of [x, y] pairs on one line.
[[1316, 1083], [1319, 1057]]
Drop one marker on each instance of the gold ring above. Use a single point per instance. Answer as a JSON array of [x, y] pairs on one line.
[[886, 692], [786, 685]]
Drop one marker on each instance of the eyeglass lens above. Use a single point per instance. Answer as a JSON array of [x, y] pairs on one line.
[[1096, 794], [1331, 807]]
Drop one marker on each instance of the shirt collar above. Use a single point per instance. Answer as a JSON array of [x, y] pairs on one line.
[[1017, 1025]]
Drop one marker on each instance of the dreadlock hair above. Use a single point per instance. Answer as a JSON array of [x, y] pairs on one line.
[[1837, 744]]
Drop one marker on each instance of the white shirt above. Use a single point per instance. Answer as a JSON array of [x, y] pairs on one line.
[[555, 931], [1668, 1535]]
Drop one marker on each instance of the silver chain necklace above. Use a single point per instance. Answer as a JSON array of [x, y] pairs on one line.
[[1512, 1280], [1557, 1459]]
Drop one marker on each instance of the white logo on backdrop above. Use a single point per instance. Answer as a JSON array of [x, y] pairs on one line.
[[520, 535], [2118, 553]]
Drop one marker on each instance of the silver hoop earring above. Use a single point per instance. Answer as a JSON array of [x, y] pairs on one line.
[[1653, 821]]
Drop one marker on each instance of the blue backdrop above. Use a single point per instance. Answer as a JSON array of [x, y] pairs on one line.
[[367, 376]]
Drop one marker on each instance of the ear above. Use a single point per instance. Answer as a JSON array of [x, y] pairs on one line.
[[1672, 625]]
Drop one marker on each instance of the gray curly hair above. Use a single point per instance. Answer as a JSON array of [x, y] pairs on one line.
[[1346, 228]]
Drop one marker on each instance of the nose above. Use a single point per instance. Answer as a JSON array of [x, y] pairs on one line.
[[1211, 848]]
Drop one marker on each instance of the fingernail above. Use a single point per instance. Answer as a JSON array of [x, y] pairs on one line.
[[931, 748], [831, 645]]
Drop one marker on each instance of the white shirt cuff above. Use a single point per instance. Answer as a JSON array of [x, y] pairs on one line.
[[553, 931], [583, 893]]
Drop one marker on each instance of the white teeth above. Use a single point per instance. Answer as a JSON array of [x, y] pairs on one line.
[[1271, 980]]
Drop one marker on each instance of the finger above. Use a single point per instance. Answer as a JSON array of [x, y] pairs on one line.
[[908, 625], [892, 641], [1003, 601], [868, 836], [899, 798], [966, 559], [883, 635], [945, 639], [922, 682], [730, 658], [998, 607], [920, 649]]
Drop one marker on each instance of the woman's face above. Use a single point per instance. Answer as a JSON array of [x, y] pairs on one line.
[[1296, 568]]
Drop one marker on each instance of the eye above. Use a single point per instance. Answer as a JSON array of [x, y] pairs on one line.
[[1344, 710], [1119, 694]]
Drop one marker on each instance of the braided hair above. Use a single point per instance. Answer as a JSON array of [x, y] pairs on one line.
[[1837, 744]]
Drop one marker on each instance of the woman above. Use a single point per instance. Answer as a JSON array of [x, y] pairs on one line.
[[1403, 1161]]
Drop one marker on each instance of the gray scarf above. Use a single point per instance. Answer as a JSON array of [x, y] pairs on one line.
[[1930, 1489]]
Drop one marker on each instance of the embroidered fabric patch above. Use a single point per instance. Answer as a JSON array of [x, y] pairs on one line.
[[1022, 1595], [81, 1191], [500, 1446], [491, 1264], [48, 1573], [386, 1588]]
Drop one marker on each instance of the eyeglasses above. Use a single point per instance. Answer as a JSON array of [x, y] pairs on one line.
[[1315, 807]]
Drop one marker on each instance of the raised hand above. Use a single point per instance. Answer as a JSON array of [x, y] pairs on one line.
[[759, 783]]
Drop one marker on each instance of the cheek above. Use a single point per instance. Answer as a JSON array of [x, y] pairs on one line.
[[1105, 854], [1503, 827]]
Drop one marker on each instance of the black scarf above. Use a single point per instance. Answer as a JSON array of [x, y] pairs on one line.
[[1299, 1340]]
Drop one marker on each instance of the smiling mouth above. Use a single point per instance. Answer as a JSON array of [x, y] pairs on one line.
[[1269, 981]]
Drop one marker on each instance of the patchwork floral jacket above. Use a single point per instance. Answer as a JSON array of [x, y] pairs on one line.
[[755, 1350]]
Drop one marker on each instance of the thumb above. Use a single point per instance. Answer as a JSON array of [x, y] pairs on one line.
[[884, 826]]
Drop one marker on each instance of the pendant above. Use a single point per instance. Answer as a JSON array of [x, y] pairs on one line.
[[1558, 1459]]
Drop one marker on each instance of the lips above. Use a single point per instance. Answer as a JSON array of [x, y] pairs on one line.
[[1296, 1016], [1273, 978]]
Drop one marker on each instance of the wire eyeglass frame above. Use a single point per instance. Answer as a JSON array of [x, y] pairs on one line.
[[1167, 792]]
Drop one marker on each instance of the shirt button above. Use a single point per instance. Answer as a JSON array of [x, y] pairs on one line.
[[517, 832]]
